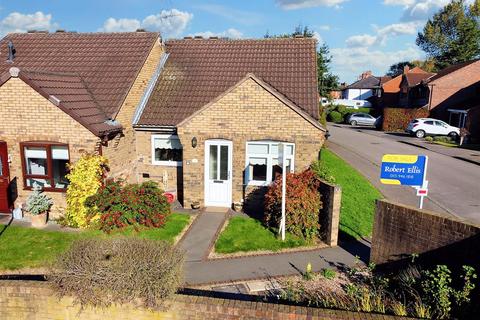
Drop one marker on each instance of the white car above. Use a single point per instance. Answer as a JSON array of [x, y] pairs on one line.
[[431, 127]]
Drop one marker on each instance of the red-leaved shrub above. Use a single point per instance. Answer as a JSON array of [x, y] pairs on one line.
[[302, 206], [120, 205], [397, 119]]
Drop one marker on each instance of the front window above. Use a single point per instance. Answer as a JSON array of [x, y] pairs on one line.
[[262, 165], [166, 150], [46, 165]]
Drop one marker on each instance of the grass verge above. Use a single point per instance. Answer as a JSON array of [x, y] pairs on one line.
[[22, 247], [358, 196], [244, 234]]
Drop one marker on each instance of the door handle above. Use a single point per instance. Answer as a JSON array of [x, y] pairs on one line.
[[217, 181]]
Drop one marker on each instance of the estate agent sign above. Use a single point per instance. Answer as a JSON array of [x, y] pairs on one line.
[[404, 169]]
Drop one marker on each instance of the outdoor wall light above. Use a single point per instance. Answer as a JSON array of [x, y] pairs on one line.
[[194, 142]]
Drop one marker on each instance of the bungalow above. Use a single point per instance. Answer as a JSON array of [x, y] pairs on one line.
[[202, 117], [366, 87]]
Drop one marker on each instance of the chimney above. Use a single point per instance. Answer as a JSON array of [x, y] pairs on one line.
[[365, 74], [11, 51], [406, 69], [187, 37], [140, 30], [198, 37], [298, 36]]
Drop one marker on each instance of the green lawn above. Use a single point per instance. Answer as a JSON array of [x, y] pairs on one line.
[[247, 234], [358, 196], [27, 247]]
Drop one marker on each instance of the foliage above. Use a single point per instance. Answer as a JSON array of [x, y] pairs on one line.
[[247, 234], [328, 273], [397, 68], [19, 245], [397, 119], [323, 116], [429, 138], [335, 116], [302, 205], [100, 272], [133, 204], [445, 139], [358, 196], [308, 274], [326, 80], [38, 202], [452, 35], [322, 171], [427, 294], [85, 179]]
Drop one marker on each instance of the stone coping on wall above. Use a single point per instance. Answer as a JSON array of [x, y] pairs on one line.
[[36, 300]]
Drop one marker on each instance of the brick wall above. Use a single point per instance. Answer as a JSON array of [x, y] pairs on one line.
[[400, 231], [28, 116], [452, 89], [330, 212], [248, 112], [121, 151], [35, 300]]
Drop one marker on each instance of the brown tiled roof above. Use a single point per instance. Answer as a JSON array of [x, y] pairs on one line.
[[69, 93], [452, 68], [414, 78], [107, 63], [198, 71]]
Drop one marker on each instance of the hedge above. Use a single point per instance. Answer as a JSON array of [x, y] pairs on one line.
[[397, 119]]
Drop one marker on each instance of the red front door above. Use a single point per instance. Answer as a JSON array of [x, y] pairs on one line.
[[4, 178]]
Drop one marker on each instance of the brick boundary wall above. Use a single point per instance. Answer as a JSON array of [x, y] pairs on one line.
[[35, 300], [400, 231]]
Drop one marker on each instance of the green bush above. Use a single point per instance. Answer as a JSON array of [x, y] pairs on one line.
[[303, 204], [38, 202], [133, 204], [445, 139], [323, 116], [335, 116], [322, 172], [429, 138], [100, 272]]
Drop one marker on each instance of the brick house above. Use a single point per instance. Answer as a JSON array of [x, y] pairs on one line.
[[204, 118], [64, 94]]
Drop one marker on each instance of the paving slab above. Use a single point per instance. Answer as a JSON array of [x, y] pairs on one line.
[[197, 240]]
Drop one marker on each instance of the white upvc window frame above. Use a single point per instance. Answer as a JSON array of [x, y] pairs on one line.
[[269, 157], [169, 163]]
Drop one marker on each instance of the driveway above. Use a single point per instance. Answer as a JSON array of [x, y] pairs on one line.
[[454, 185]]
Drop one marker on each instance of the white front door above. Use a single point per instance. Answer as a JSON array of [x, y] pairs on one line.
[[218, 173]]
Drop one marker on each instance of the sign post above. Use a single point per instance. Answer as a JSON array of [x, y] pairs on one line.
[[283, 164], [409, 170]]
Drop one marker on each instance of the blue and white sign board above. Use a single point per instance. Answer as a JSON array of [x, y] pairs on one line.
[[399, 169], [407, 170]]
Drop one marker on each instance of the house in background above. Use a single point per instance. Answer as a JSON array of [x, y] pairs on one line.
[[204, 118], [392, 89], [64, 94], [413, 92], [368, 87]]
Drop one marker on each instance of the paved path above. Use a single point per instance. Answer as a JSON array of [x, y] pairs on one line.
[[199, 270], [197, 241], [454, 184]]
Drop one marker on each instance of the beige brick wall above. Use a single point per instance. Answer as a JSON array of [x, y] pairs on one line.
[[166, 176], [28, 116], [248, 112], [121, 150]]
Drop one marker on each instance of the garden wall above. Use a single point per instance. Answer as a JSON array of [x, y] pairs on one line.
[[397, 119], [400, 231], [35, 300]]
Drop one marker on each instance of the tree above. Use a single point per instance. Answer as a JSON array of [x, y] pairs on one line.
[[326, 80], [397, 68], [452, 35]]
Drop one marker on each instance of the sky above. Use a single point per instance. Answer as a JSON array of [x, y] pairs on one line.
[[361, 34]]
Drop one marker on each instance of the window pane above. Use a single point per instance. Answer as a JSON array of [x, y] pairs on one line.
[[213, 162], [277, 169], [59, 172], [289, 149], [60, 152], [274, 150], [257, 169], [36, 160], [167, 149], [254, 148], [41, 182], [1, 167], [223, 162]]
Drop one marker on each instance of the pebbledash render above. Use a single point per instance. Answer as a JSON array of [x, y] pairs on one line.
[[203, 117]]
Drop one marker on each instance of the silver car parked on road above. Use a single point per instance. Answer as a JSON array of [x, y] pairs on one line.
[[360, 118]]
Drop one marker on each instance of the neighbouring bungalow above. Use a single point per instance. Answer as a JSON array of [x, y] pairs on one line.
[[398, 86], [204, 118], [367, 87]]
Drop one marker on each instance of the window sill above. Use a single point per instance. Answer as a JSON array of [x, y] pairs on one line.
[[258, 183], [48, 189], [167, 163]]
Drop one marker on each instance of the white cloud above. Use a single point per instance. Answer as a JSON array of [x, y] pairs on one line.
[[421, 10], [18, 22], [298, 4], [171, 23], [325, 27], [235, 15], [229, 33], [382, 34], [404, 3], [350, 62]]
